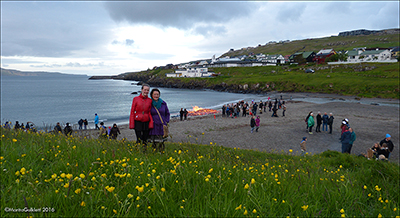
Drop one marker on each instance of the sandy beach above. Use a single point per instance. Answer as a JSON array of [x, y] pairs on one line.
[[370, 123]]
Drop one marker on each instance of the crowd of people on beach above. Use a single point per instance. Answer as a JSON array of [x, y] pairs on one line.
[[244, 109], [150, 116]]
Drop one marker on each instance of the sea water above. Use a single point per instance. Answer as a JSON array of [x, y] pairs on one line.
[[48, 99]]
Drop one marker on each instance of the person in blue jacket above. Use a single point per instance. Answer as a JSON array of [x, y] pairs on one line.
[[345, 139], [325, 119], [96, 121]]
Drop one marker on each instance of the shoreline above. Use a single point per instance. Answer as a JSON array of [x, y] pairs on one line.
[[370, 123]]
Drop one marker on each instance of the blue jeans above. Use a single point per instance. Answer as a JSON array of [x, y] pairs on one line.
[[346, 148], [324, 127]]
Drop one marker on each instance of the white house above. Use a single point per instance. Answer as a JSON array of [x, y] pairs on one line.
[[191, 72], [368, 56]]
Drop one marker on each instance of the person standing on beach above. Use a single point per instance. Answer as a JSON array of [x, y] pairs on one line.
[[345, 139], [85, 123], [284, 110], [57, 128], [257, 123], [68, 130], [185, 113], [310, 123], [160, 113], [330, 122], [80, 123], [114, 131], [325, 119], [306, 120], [140, 118], [303, 145], [181, 114], [223, 110], [352, 139], [319, 122], [96, 121], [252, 123]]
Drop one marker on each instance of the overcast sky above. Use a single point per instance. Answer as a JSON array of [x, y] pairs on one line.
[[109, 38]]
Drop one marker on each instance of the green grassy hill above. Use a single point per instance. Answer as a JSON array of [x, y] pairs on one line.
[[364, 80], [75, 177], [338, 43]]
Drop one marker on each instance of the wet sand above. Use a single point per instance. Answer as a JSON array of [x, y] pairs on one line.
[[370, 123]]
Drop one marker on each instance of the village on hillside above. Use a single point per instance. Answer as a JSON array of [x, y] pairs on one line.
[[199, 68], [329, 56]]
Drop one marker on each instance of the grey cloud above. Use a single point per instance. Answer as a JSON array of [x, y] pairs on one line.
[[46, 29], [209, 29], [182, 15], [291, 12]]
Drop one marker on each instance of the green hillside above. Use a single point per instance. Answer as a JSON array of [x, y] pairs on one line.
[[338, 43]]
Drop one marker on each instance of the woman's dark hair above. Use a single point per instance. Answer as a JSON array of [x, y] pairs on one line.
[[154, 90]]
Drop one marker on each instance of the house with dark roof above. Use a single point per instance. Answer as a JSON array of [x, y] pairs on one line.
[[302, 57], [323, 54]]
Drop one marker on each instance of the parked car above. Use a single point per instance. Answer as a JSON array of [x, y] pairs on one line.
[[310, 71]]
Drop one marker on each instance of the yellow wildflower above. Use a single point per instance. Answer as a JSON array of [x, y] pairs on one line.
[[115, 211], [78, 191], [82, 176], [140, 189], [254, 211], [245, 212], [246, 186], [130, 196], [239, 207], [163, 189], [305, 207], [253, 181], [14, 140], [342, 211], [83, 204]]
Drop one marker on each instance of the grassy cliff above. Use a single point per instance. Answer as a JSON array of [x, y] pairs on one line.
[[364, 80]]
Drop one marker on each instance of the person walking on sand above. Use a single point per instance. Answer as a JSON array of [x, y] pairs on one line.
[[161, 116], [325, 119], [96, 121], [252, 123], [257, 123], [140, 118], [303, 145], [330, 122], [319, 122], [80, 123], [311, 123]]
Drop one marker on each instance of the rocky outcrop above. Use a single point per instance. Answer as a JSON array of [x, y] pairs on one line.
[[368, 32]]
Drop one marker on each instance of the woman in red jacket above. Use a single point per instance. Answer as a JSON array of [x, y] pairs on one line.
[[140, 118]]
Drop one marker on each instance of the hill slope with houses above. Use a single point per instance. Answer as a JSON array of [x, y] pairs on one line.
[[350, 46]]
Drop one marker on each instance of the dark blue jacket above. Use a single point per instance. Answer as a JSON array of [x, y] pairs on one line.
[[325, 119], [346, 137]]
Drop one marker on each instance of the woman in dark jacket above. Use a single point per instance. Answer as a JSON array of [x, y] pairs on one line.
[[160, 114], [140, 118]]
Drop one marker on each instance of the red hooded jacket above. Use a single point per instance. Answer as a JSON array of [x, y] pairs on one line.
[[140, 111]]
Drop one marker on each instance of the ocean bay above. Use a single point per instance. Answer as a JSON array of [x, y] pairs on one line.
[[48, 99]]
